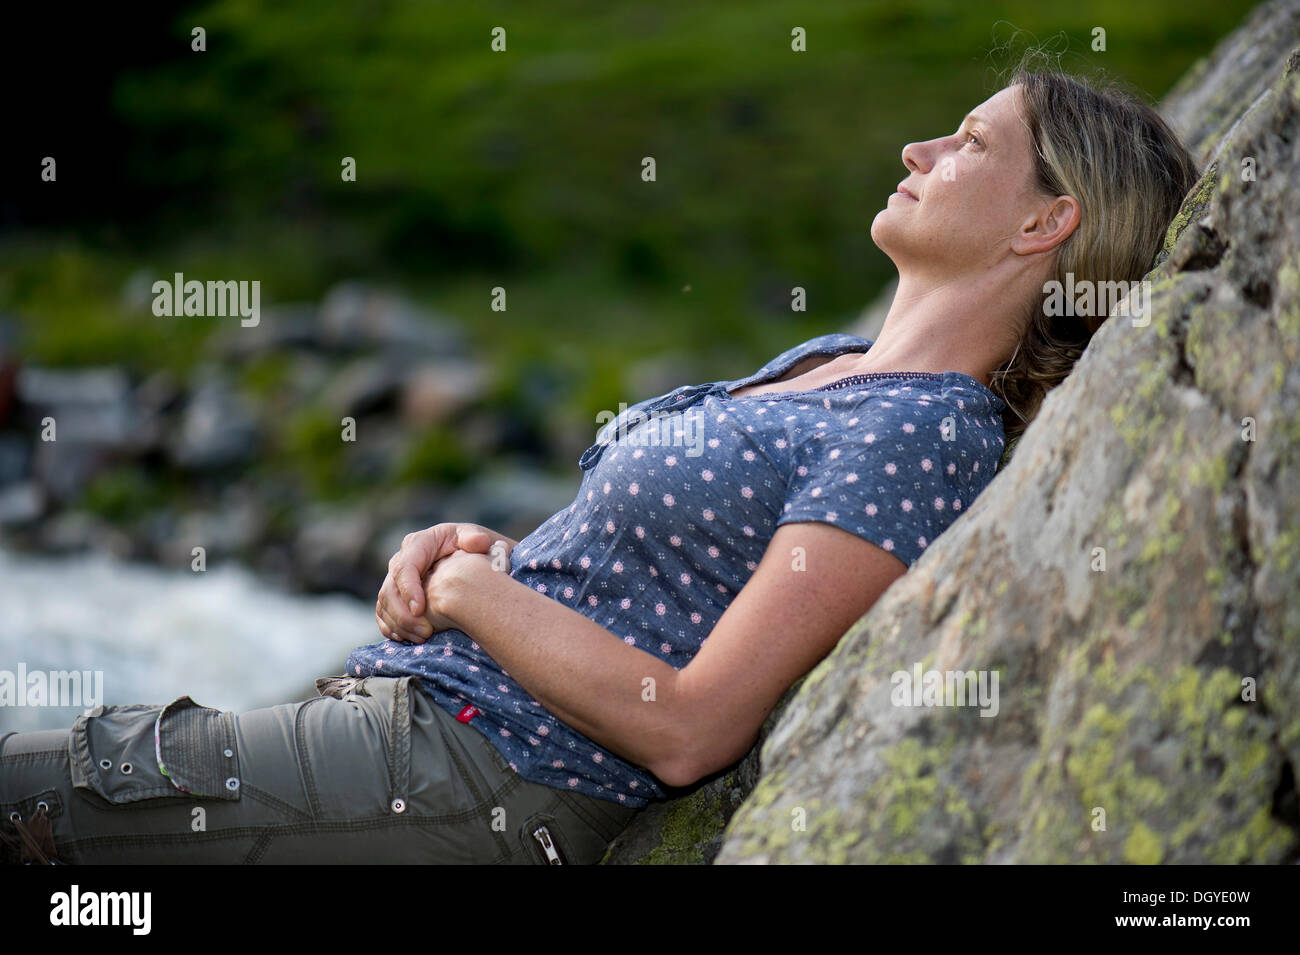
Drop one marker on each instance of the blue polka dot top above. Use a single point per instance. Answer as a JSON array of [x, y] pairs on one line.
[[679, 498]]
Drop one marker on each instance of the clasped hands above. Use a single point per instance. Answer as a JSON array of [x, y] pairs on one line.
[[413, 604]]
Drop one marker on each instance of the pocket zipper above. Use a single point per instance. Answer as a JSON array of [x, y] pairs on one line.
[[543, 836]]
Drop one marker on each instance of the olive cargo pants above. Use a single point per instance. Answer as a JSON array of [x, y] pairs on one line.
[[370, 771]]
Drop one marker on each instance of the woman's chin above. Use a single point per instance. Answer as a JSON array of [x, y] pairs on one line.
[[882, 229]]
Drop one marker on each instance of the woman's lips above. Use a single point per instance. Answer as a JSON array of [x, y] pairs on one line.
[[901, 191]]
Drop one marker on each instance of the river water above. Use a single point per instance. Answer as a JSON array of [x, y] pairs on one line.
[[221, 636]]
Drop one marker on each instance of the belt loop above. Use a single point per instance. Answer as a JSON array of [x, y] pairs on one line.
[[336, 686]]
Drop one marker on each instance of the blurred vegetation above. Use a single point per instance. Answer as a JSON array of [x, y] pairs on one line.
[[522, 169], [438, 455]]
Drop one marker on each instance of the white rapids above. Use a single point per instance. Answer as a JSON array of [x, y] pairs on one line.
[[221, 637]]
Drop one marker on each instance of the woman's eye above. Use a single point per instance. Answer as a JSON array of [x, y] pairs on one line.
[[972, 136]]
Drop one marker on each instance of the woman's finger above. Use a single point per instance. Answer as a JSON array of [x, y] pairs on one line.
[[387, 601], [420, 630], [473, 539], [384, 626], [397, 607], [409, 592], [383, 607], [384, 612], [399, 629]]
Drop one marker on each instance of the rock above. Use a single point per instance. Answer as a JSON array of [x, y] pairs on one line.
[[89, 405], [411, 510], [95, 421], [20, 503], [217, 428], [689, 829], [74, 531], [307, 377], [15, 457], [434, 393], [1147, 711], [275, 567], [286, 325], [1221, 90], [377, 454], [484, 433], [331, 551], [233, 530], [64, 469], [354, 316], [365, 386], [158, 394]]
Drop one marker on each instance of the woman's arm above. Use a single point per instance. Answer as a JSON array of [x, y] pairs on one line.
[[613, 693], [814, 581]]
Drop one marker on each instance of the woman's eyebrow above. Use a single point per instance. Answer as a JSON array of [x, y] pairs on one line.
[[974, 118]]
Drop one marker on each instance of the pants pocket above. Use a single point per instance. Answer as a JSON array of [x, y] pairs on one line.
[[545, 842], [394, 696], [560, 836], [126, 754], [605, 819]]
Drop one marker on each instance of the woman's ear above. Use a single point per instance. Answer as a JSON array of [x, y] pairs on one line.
[[1052, 224]]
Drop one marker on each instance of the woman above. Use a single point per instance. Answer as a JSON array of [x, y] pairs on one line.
[[530, 697]]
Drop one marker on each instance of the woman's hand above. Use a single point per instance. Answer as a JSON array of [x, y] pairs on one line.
[[400, 609], [449, 576]]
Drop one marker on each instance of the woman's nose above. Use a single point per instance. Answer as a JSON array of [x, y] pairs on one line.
[[916, 156]]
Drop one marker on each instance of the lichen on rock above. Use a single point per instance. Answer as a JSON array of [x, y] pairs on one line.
[[1129, 574]]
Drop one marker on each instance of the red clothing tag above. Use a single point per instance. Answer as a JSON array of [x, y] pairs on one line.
[[467, 714]]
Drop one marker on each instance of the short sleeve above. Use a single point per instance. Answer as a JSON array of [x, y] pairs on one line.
[[879, 471]]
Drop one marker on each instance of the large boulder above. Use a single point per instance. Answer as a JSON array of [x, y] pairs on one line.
[[1126, 576]]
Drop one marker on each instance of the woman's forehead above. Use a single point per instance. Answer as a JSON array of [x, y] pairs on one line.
[[1001, 107], [1003, 113]]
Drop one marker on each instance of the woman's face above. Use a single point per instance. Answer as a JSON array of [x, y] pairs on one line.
[[971, 193]]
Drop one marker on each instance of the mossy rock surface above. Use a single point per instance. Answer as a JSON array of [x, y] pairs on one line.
[[1130, 576]]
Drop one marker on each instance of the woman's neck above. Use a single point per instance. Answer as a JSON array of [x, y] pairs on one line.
[[955, 325]]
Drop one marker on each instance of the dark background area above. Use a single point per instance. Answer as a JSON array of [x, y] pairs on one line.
[[476, 170]]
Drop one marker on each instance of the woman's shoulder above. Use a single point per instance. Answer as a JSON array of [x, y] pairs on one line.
[[948, 415], [968, 419]]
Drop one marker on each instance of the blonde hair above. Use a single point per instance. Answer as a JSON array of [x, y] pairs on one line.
[[1129, 173]]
